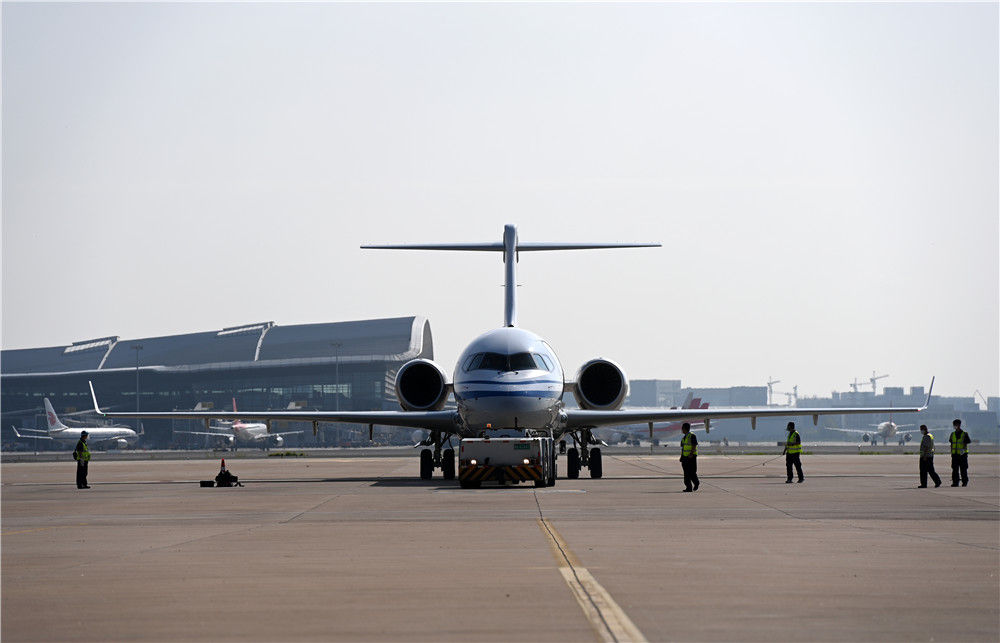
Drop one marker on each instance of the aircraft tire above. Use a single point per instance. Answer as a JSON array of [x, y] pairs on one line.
[[596, 467], [448, 464], [572, 464], [426, 464]]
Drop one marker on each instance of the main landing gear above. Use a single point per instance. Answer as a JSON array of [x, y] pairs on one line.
[[439, 458], [582, 455]]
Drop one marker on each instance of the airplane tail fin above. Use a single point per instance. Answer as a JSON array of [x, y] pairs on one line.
[[52, 418], [511, 249]]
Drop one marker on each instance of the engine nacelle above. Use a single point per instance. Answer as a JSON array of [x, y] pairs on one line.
[[121, 444], [601, 385], [421, 385]]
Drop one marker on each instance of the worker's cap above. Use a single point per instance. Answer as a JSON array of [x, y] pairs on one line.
[[83, 433]]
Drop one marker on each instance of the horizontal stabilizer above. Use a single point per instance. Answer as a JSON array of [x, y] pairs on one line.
[[511, 248], [499, 247]]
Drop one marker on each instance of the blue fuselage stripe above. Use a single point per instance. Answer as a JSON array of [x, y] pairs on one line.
[[518, 393], [513, 383]]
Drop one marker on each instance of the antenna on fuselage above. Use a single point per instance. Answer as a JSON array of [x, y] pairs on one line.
[[511, 248]]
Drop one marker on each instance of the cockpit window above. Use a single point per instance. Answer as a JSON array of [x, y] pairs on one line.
[[521, 362], [493, 362], [542, 362], [501, 362]]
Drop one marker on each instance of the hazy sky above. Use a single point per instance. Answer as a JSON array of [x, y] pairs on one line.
[[824, 178]]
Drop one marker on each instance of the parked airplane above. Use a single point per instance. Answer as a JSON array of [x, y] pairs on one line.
[[627, 434], [120, 437], [239, 433], [510, 379], [884, 430]]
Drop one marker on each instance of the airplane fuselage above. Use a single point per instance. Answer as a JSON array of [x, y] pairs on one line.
[[508, 378], [886, 430], [71, 435]]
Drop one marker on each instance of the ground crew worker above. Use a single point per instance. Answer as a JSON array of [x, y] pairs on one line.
[[689, 458], [927, 459], [959, 440], [792, 453], [82, 456]]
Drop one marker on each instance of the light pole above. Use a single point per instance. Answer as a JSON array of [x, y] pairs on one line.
[[137, 348], [336, 346]]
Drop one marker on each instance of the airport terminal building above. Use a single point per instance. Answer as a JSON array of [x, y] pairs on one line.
[[348, 366]]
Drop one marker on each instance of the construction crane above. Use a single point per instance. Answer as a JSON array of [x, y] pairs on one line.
[[770, 388], [875, 378], [793, 397], [855, 384], [985, 403]]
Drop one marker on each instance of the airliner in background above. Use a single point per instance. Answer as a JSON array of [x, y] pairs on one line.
[[120, 437], [509, 380], [627, 434], [238, 433], [884, 430]]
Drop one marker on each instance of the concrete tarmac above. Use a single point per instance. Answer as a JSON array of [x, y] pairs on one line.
[[357, 549]]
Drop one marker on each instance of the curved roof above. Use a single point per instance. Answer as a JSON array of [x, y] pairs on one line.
[[263, 343]]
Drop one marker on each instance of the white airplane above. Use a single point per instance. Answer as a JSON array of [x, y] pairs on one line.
[[121, 437], [238, 433], [509, 379], [884, 430]]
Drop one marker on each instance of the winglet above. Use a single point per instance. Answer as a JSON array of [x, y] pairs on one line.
[[93, 396], [930, 390]]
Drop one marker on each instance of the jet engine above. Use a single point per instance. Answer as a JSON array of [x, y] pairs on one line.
[[865, 437], [421, 385], [121, 444], [601, 385], [906, 437]]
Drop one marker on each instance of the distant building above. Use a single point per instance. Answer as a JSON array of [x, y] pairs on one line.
[[654, 393], [730, 396], [336, 365]]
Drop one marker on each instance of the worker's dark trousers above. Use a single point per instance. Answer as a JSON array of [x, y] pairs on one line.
[[793, 459], [690, 466], [81, 473], [960, 468], [927, 468]]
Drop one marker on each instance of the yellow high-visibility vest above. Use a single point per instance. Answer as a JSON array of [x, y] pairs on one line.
[[82, 455], [958, 445], [688, 447], [794, 443]]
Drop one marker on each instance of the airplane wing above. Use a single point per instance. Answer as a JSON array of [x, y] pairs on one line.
[[29, 436], [446, 421], [858, 431], [220, 434], [583, 419]]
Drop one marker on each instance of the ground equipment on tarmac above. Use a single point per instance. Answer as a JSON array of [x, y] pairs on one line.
[[507, 460]]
